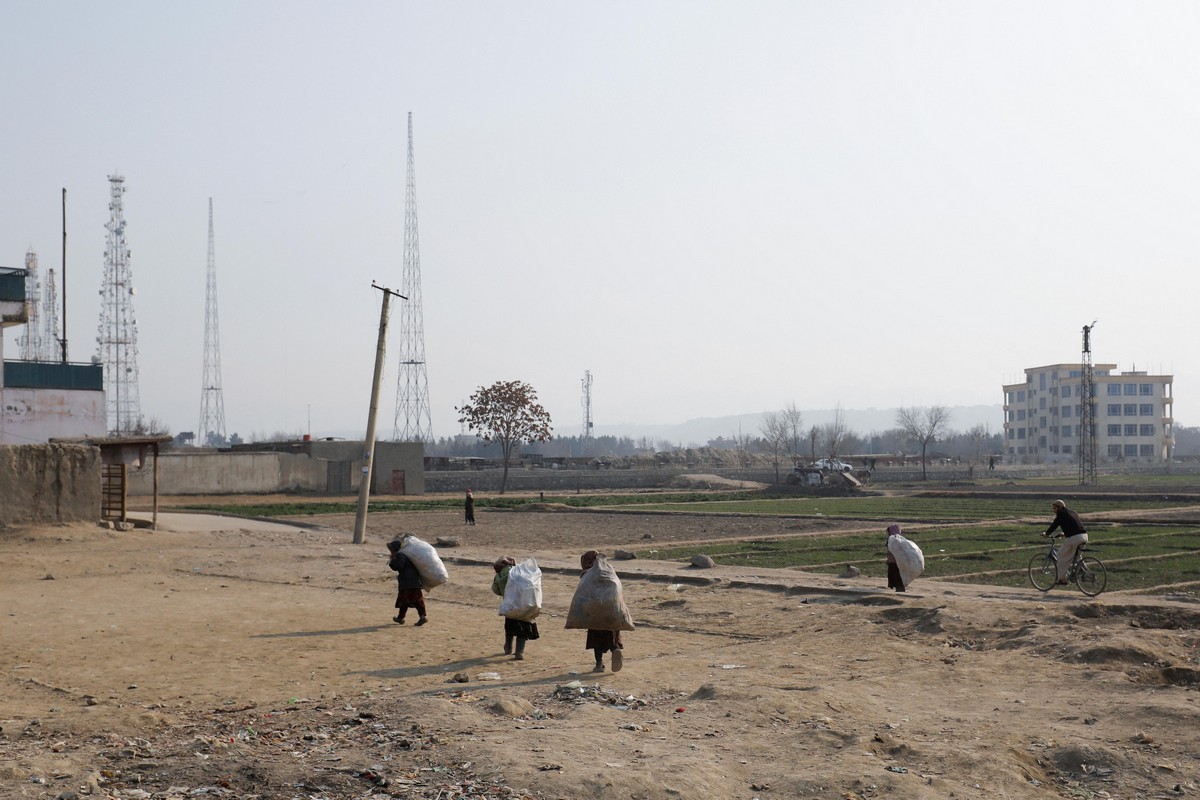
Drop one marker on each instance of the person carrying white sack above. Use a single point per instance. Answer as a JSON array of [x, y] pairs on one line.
[[905, 561], [519, 629]]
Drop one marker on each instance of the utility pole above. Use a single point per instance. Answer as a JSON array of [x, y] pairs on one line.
[[1087, 412], [364, 487]]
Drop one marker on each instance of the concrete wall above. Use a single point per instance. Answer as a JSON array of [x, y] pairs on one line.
[[229, 473], [309, 470], [33, 416], [49, 483]]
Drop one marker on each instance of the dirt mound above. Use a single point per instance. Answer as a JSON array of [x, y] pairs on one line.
[[707, 481]]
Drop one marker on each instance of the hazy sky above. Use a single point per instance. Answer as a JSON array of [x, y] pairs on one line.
[[716, 207]]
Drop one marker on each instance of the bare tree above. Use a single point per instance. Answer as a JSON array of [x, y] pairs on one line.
[[776, 432], [794, 421], [923, 425], [814, 436], [508, 413], [833, 432]]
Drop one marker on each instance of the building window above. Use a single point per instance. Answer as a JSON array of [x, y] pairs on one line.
[[1054, 449], [1041, 422], [1042, 402], [1145, 430], [1114, 409], [1066, 448], [1066, 391], [1114, 430], [1066, 411], [1114, 389], [1021, 396], [1020, 433], [1131, 388], [1114, 450], [1012, 434], [1146, 389], [1131, 430], [1012, 416], [1020, 414], [1130, 409], [1042, 381], [1041, 441], [1066, 429], [1131, 450], [1146, 410], [1146, 450], [1054, 430]]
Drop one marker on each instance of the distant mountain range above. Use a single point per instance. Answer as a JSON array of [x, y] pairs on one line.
[[860, 421]]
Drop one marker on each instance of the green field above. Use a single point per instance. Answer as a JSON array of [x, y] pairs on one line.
[[1137, 557], [975, 539]]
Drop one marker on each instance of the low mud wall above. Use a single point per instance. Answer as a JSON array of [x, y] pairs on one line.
[[49, 483]]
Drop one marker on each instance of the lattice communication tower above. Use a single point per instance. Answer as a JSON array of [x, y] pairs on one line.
[[117, 347], [1087, 412], [413, 421], [211, 432], [586, 402]]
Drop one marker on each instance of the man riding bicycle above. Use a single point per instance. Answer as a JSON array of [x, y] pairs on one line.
[[1073, 531]]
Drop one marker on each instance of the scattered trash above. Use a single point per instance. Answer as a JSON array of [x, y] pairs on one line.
[[488, 676], [891, 768]]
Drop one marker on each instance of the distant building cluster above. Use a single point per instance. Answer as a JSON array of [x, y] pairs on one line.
[[1132, 411]]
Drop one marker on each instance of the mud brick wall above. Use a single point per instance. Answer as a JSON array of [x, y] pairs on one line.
[[48, 483]]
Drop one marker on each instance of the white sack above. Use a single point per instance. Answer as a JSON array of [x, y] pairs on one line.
[[523, 592], [909, 558], [598, 603], [426, 560]]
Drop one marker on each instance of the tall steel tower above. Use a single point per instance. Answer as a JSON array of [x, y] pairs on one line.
[[117, 339], [1087, 412], [30, 340], [586, 401], [211, 432], [413, 423], [51, 339]]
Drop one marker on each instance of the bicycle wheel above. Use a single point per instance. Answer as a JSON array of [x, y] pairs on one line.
[[1043, 571], [1090, 576]]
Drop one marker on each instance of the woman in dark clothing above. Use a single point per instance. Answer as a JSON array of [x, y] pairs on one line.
[[601, 641], [518, 629], [469, 507], [894, 579], [409, 579]]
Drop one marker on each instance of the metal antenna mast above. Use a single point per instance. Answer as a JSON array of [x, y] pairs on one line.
[[117, 340], [30, 340], [413, 422], [211, 432], [587, 412], [1087, 412], [50, 338]]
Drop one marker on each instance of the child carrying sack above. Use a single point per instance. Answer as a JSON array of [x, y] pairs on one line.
[[909, 558], [523, 592], [425, 558], [598, 603]]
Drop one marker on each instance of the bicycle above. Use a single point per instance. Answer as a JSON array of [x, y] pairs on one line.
[[1087, 572]]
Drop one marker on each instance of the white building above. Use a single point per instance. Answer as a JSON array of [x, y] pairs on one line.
[[40, 401], [1132, 411]]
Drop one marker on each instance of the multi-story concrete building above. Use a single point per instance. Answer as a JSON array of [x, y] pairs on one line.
[[1132, 411]]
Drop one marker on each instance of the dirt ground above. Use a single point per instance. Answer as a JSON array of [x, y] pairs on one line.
[[223, 658]]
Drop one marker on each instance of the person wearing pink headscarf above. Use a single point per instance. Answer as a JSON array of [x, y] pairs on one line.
[[894, 579]]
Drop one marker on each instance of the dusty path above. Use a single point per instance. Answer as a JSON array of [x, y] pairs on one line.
[[261, 662]]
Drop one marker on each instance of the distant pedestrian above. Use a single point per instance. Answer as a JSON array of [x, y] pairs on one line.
[[409, 594], [469, 507], [514, 629], [894, 579], [991, 463]]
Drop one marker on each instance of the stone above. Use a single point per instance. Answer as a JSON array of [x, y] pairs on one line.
[[702, 561], [851, 571], [624, 555]]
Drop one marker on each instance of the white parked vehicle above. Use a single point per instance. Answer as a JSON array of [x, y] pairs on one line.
[[832, 465]]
